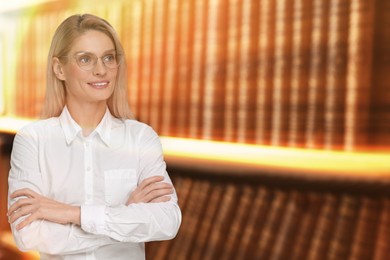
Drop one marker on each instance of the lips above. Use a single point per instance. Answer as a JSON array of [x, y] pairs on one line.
[[99, 85]]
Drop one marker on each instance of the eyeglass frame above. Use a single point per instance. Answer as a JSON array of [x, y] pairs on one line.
[[114, 53]]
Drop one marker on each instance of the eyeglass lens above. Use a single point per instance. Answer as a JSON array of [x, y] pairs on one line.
[[88, 61]]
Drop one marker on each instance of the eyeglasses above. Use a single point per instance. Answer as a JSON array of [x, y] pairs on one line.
[[87, 61]]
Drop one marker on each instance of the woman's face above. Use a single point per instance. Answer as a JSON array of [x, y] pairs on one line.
[[93, 83]]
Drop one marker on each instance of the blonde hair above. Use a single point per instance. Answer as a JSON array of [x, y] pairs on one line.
[[63, 38]]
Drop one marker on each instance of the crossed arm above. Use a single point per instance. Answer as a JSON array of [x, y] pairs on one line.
[[34, 206]]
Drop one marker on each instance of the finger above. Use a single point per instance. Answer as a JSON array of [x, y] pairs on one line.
[[146, 194], [17, 205], [157, 186], [141, 193], [157, 193], [150, 180], [161, 199], [23, 192], [25, 222], [25, 211], [143, 197]]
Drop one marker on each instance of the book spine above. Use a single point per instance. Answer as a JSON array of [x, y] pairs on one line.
[[255, 224], [30, 93], [315, 127], [289, 227], [182, 95], [200, 12], [336, 74], [247, 72], [22, 77], [8, 72], [382, 249], [266, 241], [165, 249], [282, 73], [324, 228], [265, 71], [157, 58], [170, 77], [43, 29], [132, 43], [232, 69], [302, 25], [366, 229], [222, 222], [214, 84], [340, 245], [192, 218], [113, 14], [358, 77], [146, 60], [239, 221], [307, 227], [207, 224], [380, 83]]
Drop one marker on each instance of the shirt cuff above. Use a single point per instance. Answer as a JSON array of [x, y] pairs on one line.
[[92, 218]]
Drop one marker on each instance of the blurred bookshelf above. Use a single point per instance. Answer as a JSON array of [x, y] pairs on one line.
[[307, 74]]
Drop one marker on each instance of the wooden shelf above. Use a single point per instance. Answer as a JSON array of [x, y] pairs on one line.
[[233, 158]]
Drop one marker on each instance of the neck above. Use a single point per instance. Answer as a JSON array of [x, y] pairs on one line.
[[87, 115]]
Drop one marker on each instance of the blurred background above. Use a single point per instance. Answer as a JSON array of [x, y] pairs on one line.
[[302, 83]]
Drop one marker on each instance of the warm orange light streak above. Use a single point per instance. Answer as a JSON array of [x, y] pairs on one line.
[[11, 125], [280, 158]]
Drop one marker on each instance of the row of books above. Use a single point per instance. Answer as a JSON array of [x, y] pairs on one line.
[[226, 219], [306, 73]]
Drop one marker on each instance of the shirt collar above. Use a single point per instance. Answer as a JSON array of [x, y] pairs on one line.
[[104, 127], [72, 129]]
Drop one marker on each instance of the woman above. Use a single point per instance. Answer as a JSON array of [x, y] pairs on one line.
[[88, 182]]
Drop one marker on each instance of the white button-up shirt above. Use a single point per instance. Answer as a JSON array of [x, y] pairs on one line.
[[97, 172]]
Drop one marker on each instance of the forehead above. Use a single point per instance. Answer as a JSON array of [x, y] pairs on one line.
[[92, 41]]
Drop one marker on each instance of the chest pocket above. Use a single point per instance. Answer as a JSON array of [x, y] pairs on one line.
[[119, 184]]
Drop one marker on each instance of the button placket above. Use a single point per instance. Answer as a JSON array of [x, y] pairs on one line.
[[88, 172]]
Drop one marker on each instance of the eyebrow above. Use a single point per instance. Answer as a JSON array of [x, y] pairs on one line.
[[88, 52]]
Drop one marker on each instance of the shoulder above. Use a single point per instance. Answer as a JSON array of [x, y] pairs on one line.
[[132, 126], [136, 125], [30, 135], [138, 130], [38, 127]]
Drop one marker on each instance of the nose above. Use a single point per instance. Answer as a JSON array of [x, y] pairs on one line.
[[100, 69]]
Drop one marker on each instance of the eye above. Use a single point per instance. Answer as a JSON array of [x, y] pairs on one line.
[[109, 58], [84, 59]]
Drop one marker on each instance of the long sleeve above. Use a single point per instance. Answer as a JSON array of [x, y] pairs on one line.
[[43, 236], [139, 222]]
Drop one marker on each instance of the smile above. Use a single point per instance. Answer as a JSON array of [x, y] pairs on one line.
[[99, 85]]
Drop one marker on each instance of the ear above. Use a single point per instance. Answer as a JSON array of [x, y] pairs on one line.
[[57, 69]]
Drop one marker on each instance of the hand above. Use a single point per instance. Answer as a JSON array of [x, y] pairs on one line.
[[151, 189], [35, 206]]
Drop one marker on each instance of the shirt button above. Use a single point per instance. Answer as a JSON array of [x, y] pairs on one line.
[[88, 168]]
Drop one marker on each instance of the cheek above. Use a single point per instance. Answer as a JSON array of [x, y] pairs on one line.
[[113, 78], [73, 73], [114, 74]]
